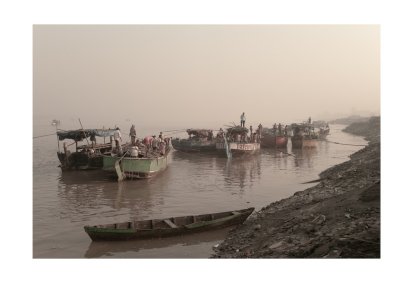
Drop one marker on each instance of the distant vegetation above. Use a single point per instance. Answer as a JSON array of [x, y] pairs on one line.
[[349, 120]]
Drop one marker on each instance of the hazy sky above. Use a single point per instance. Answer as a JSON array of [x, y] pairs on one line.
[[194, 75]]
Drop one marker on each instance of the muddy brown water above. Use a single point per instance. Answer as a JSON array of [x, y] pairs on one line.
[[63, 202]]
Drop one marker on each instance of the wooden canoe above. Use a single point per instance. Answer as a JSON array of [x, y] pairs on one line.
[[157, 228]]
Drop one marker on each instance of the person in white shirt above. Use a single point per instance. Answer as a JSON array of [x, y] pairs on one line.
[[154, 143], [242, 120]]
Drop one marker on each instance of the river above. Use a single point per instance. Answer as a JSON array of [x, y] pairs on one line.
[[63, 202]]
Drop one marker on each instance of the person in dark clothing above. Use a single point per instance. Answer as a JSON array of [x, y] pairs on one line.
[[132, 134], [93, 139]]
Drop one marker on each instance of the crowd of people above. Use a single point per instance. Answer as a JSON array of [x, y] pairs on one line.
[[240, 134], [279, 129], [146, 147], [152, 145]]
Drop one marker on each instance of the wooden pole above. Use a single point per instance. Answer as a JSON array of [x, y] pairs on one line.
[[58, 141], [83, 131]]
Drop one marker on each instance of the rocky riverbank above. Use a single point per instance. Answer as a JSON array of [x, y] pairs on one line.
[[337, 218]]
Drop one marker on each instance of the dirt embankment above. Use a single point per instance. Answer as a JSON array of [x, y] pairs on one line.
[[337, 218]]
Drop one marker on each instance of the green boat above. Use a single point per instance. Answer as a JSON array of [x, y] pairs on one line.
[[86, 156], [157, 228], [139, 167]]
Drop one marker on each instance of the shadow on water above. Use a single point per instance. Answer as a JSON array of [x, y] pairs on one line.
[[242, 171], [70, 178], [304, 157], [139, 248], [237, 171], [85, 191]]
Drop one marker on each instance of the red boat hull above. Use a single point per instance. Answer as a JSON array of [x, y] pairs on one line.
[[274, 141]]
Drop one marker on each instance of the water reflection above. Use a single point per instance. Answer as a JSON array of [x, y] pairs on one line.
[[71, 178], [80, 193], [192, 184], [242, 171], [277, 157], [138, 248], [304, 157]]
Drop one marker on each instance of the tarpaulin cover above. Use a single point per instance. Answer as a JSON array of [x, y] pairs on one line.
[[79, 135]]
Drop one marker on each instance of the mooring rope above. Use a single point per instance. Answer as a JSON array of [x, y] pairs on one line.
[[346, 143], [43, 136]]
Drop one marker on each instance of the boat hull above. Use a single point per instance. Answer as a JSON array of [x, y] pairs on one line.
[[87, 157], [323, 134], [158, 228], [274, 141], [238, 149], [302, 142], [135, 168], [79, 161], [187, 145]]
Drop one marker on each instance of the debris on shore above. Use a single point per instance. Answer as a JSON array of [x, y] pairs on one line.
[[337, 218]]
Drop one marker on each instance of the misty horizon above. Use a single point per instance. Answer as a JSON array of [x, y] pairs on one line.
[[204, 75]]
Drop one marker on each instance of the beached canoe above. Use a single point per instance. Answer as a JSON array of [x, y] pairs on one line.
[[157, 228]]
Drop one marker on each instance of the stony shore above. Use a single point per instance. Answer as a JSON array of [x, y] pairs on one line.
[[337, 218]]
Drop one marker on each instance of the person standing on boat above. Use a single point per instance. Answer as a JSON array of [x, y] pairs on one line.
[[154, 143], [220, 133], [162, 147], [117, 138], [280, 129], [210, 135], [259, 132], [132, 134], [93, 139], [147, 141], [242, 120], [251, 133]]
